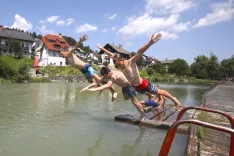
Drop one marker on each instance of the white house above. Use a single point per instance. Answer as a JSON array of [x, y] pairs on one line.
[[114, 49], [49, 50], [26, 41]]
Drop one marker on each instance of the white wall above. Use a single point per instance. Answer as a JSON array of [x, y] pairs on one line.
[[103, 56], [6, 52], [51, 58]]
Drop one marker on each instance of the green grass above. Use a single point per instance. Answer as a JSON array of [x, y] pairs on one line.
[[41, 79]]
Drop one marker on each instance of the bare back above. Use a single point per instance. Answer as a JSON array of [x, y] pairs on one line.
[[118, 78], [75, 61], [131, 72]]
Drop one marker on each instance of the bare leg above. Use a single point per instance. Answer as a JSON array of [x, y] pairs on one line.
[[168, 95], [139, 108]]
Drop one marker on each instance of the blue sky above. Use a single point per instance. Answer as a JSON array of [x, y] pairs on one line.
[[189, 27]]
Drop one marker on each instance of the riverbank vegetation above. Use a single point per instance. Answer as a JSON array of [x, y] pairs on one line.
[[203, 70], [14, 70]]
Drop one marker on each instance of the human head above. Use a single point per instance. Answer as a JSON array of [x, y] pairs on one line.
[[105, 72], [119, 60]]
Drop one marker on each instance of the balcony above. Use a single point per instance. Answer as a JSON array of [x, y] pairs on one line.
[[4, 46], [25, 48]]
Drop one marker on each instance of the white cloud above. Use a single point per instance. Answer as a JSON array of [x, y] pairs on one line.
[[181, 27], [52, 19], [221, 12], [112, 17], [45, 30], [107, 14], [168, 6], [60, 22], [146, 25], [70, 21], [167, 35], [21, 23], [105, 30], [113, 28], [85, 28]]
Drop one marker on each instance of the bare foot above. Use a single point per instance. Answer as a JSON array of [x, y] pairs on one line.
[[177, 103], [114, 96], [142, 117]]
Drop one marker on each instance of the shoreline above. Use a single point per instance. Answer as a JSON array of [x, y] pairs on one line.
[[208, 141]]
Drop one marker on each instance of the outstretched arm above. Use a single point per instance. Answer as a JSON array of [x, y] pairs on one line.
[[108, 85], [154, 39], [82, 39], [110, 54], [89, 86]]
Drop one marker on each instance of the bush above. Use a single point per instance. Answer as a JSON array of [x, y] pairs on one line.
[[150, 71], [105, 63], [15, 70]]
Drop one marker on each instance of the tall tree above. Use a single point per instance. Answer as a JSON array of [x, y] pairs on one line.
[[39, 36], [227, 67], [179, 67], [159, 68], [71, 41], [199, 66], [15, 47], [34, 35], [213, 67]]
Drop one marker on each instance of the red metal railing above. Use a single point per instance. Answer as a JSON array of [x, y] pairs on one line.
[[171, 134], [181, 113], [228, 116]]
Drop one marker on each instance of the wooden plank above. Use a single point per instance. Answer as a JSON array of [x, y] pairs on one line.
[[152, 121]]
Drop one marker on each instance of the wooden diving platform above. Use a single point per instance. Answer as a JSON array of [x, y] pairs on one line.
[[158, 118]]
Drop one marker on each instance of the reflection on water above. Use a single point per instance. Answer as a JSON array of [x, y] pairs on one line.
[[56, 119]]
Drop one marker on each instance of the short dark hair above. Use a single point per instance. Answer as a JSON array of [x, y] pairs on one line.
[[105, 70]]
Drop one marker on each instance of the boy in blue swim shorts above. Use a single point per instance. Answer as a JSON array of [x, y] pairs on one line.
[[89, 72]]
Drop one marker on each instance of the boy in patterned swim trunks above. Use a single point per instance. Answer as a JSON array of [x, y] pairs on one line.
[[130, 70], [89, 72]]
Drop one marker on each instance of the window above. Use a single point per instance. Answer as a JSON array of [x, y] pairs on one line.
[[6, 43], [53, 41], [56, 46], [0, 50], [4, 50], [54, 63], [26, 44], [61, 63], [54, 54], [22, 44], [51, 63]]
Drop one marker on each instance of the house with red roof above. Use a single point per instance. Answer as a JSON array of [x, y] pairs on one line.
[[48, 50]]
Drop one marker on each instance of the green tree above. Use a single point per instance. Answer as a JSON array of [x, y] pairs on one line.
[[71, 41], [199, 66], [213, 67], [179, 67], [14, 47], [39, 36], [34, 35], [227, 67], [105, 63], [159, 68], [150, 71]]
